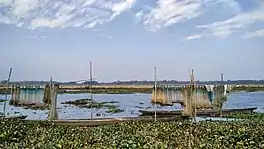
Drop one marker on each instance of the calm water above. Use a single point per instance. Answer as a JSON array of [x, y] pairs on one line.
[[131, 103]]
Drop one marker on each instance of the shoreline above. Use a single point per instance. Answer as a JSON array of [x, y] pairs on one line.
[[124, 89]]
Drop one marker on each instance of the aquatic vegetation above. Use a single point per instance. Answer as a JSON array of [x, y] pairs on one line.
[[248, 89], [250, 116], [78, 102], [37, 106], [88, 103], [32, 134], [114, 110], [2, 100]]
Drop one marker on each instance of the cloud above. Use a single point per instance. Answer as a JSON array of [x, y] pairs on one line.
[[57, 13], [232, 25], [169, 12], [258, 33], [34, 14], [139, 16], [198, 36]]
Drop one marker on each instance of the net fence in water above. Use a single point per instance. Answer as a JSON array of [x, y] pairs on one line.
[[202, 96], [27, 95]]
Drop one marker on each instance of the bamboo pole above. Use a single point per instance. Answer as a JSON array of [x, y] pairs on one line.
[[195, 100], [7, 88], [192, 83], [222, 95], [155, 92], [91, 79]]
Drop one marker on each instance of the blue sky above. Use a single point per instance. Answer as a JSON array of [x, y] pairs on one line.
[[125, 39]]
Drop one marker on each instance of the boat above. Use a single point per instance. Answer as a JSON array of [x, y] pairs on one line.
[[108, 121], [15, 117], [208, 112]]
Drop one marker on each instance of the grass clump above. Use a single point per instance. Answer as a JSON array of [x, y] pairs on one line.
[[88, 103], [115, 110]]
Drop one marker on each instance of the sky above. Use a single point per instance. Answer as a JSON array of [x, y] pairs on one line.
[[126, 39]]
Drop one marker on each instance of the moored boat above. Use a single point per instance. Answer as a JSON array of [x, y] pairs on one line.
[[209, 112]]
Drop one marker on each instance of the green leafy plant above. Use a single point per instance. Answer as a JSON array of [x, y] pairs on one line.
[[171, 135]]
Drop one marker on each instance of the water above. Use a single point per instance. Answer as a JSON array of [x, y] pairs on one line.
[[130, 103], [246, 100]]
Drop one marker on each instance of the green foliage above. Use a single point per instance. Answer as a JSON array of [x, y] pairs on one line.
[[250, 116], [248, 89], [114, 110], [88, 103], [2, 100], [32, 134]]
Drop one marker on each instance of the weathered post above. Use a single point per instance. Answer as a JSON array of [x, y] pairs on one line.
[[222, 96], [187, 100], [91, 89], [193, 96], [18, 99], [47, 93], [12, 94], [53, 114], [155, 92]]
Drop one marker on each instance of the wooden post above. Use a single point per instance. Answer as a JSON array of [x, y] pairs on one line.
[[53, 114], [47, 97], [12, 93], [187, 95], [18, 94], [16, 101], [222, 95], [195, 99], [91, 83], [7, 89]]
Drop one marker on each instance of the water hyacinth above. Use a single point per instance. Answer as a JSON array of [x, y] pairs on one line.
[[32, 134], [250, 116]]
